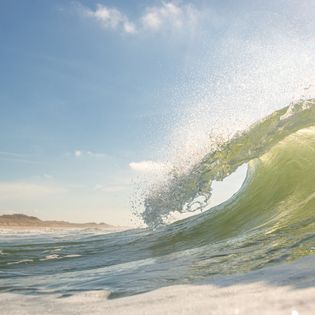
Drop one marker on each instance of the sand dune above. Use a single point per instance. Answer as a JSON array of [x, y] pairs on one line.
[[25, 221]]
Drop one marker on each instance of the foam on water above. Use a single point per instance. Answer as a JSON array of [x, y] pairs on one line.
[[228, 112], [269, 220]]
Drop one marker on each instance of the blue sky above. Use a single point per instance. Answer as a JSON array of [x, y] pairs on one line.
[[90, 90]]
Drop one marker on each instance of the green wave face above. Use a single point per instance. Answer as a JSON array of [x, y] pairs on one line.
[[191, 191], [272, 217], [270, 220]]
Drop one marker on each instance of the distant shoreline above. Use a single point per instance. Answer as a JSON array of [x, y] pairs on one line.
[[22, 221]]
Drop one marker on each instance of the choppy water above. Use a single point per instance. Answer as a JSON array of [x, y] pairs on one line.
[[270, 220]]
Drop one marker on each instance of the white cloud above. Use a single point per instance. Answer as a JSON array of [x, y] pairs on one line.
[[129, 27], [111, 18], [149, 166], [169, 15], [77, 153]]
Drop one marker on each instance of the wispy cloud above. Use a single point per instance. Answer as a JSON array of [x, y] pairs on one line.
[[110, 188], [149, 166], [11, 154], [17, 157], [111, 18], [168, 15], [11, 190], [97, 155]]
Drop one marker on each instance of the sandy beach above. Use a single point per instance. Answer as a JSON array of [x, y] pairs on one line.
[[283, 289]]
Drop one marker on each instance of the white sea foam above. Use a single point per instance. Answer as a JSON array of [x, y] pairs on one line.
[[279, 290], [72, 256], [23, 261], [51, 257], [56, 257]]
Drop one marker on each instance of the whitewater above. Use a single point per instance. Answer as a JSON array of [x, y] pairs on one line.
[[245, 102], [269, 222]]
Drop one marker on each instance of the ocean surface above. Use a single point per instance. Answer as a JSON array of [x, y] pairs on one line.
[[270, 220]]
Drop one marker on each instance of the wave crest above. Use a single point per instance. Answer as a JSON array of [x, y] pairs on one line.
[[191, 191]]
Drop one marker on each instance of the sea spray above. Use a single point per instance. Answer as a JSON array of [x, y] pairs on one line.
[[191, 191]]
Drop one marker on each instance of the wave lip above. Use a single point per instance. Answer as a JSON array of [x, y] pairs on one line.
[[191, 191], [270, 220]]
